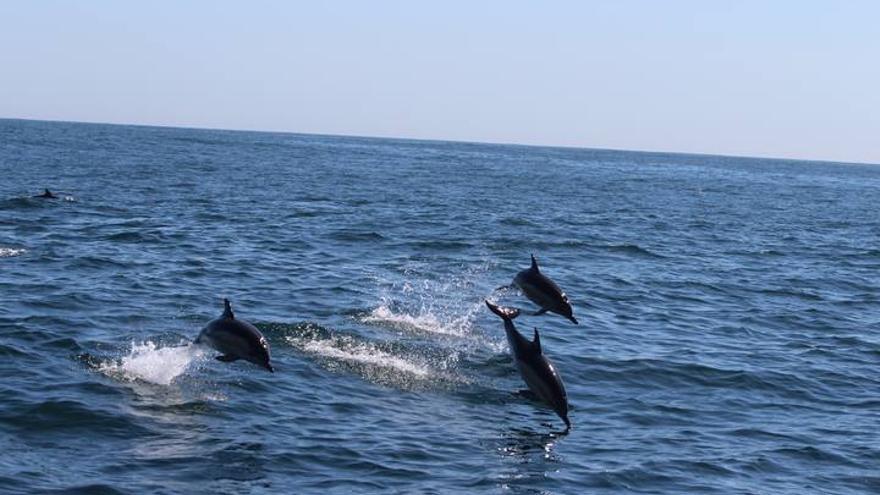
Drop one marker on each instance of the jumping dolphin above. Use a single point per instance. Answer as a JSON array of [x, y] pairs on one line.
[[536, 370], [544, 292], [236, 339], [46, 194]]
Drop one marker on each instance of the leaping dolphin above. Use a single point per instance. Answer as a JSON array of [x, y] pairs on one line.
[[235, 339], [544, 292], [536, 370]]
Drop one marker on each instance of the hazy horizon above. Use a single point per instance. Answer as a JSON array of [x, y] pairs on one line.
[[788, 80], [402, 138]]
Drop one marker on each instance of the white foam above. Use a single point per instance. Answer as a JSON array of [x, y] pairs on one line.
[[425, 322], [425, 319], [9, 252], [150, 363], [344, 349]]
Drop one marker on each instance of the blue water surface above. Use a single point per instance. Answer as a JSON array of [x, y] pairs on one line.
[[729, 339]]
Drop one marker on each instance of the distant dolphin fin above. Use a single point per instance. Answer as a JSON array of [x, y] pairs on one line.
[[227, 309], [536, 343], [540, 312], [227, 358], [505, 313], [534, 263]]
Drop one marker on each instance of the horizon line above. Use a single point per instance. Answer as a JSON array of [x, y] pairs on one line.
[[441, 140]]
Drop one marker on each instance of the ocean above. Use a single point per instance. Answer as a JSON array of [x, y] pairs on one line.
[[729, 337]]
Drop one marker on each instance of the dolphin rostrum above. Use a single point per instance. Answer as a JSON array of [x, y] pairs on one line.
[[235, 339], [544, 292], [536, 370]]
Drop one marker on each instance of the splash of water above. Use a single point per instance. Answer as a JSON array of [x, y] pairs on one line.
[[424, 321], [148, 362], [446, 307], [347, 349], [9, 252]]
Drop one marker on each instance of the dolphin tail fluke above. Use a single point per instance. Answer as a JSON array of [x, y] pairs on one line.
[[506, 314]]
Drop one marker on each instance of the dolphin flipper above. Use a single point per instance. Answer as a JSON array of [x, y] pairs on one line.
[[540, 312], [227, 358]]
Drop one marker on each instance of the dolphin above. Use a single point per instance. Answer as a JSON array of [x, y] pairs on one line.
[[235, 339], [536, 370], [46, 194], [544, 292]]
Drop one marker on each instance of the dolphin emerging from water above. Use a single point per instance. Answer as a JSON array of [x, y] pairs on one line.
[[235, 339], [544, 292], [46, 194], [536, 370]]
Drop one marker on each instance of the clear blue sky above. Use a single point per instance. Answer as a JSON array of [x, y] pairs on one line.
[[763, 78]]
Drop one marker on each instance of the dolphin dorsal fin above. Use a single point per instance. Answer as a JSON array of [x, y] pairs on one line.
[[227, 309], [536, 343], [534, 263]]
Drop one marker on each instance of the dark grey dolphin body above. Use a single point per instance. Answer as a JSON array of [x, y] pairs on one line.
[[536, 370], [236, 339], [544, 292]]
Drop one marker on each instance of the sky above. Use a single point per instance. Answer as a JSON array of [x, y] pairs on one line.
[[788, 79]]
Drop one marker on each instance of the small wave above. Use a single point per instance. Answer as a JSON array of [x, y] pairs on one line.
[[518, 222], [132, 236], [355, 236], [150, 363], [633, 250], [441, 245], [6, 252]]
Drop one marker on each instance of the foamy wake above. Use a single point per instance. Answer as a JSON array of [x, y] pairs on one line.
[[363, 353], [150, 363], [9, 252], [421, 322], [424, 320]]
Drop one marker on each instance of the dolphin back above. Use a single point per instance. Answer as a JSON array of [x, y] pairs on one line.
[[506, 314]]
